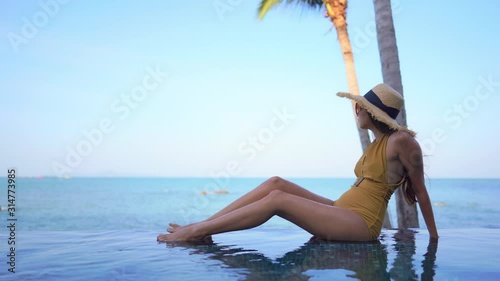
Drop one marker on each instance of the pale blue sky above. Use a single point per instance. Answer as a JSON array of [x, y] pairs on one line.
[[228, 75]]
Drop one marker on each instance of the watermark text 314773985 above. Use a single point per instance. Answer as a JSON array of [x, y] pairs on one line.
[[11, 219]]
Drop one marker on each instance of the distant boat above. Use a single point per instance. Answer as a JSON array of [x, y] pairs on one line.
[[220, 191], [440, 204]]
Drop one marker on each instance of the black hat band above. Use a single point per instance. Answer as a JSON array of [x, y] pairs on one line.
[[375, 100]]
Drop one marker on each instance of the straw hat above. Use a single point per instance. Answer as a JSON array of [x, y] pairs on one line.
[[383, 103]]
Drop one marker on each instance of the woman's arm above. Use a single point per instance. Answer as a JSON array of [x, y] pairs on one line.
[[426, 208], [411, 158]]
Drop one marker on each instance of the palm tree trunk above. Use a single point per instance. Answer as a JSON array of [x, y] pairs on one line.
[[391, 73], [336, 10]]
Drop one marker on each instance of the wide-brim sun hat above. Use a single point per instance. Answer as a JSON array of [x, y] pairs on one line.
[[383, 103]]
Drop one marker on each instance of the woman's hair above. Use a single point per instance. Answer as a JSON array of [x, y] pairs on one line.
[[408, 191], [381, 126], [407, 186]]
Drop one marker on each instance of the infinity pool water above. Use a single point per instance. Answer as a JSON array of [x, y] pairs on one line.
[[258, 254]]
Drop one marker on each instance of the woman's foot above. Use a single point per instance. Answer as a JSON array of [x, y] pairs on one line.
[[181, 233], [174, 227]]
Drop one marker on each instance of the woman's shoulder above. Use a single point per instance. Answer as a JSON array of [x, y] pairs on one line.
[[402, 136], [402, 140]]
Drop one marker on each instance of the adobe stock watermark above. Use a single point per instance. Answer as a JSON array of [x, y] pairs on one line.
[[248, 150], [222, 7], [455, 116], [121, 108], [32, 25]]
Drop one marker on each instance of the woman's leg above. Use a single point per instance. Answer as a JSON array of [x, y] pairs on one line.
[[273, 183], [319, 219]]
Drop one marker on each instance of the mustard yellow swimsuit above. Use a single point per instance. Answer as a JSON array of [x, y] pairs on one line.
[[369, 195]]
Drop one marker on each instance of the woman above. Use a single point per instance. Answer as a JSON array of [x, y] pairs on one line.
[[393, 159]]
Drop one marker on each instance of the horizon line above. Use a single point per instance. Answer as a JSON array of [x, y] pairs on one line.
[[233, 177]]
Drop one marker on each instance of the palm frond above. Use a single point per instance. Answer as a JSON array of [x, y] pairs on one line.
[[266, 5], [308, 3]]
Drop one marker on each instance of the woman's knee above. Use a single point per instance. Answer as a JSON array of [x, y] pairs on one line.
[[276, 196], [274, 183]]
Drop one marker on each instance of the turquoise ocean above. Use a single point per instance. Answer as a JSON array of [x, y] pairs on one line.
[[105, 229], [150, 203]]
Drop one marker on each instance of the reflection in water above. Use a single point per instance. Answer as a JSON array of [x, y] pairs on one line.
[[429, 262], [364, 261], [404, 246], [403, 267]]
